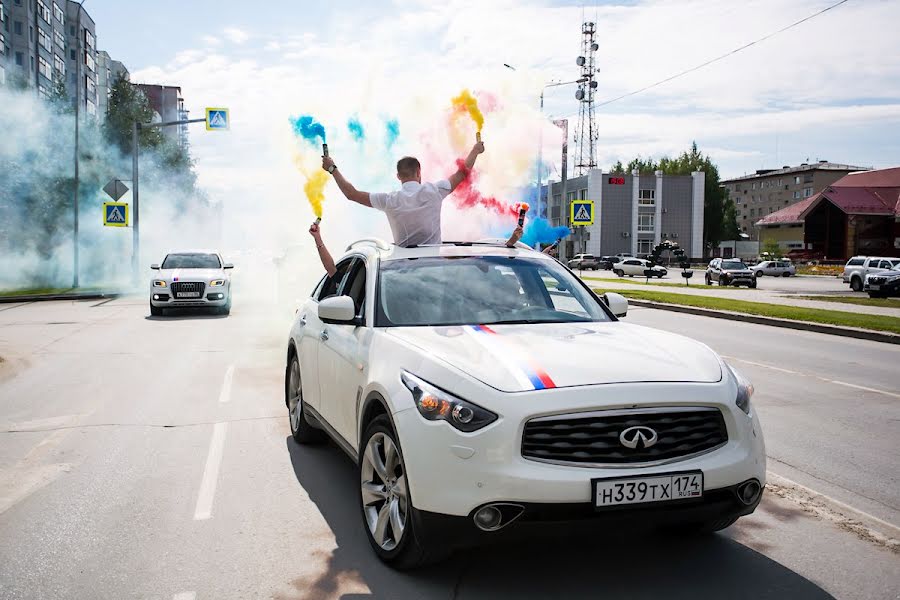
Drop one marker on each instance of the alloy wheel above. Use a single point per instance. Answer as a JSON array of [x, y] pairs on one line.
[[294, 407], [385, 496]]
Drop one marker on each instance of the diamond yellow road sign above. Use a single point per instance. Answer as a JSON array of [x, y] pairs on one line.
[[217, 119], [115, 214], [582, 213]]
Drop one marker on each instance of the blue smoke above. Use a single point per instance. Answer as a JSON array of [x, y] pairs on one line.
[[539, 231], [308, 128], [393, 132], [356, 129]]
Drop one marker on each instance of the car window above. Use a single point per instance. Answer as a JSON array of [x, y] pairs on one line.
[[855, 262], [483, 290], [733, 265], [192, 260], [355, 286], [333, 283]]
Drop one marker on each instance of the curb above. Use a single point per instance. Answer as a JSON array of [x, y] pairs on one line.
[[862, 334], [75, 296]]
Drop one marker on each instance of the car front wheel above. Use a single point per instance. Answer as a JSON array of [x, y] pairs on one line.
[[856, 284], [301, 431], [387, 509], [156, 311]]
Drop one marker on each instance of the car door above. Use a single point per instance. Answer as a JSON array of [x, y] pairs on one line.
[[343, 358], [714, 270], [309, 333]]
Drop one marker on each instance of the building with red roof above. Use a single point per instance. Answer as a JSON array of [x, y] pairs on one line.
[[857, 215]]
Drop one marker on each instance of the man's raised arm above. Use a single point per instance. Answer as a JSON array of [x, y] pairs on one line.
[[345, 186], [463, 171]]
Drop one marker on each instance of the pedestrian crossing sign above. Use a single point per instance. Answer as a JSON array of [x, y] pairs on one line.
[[217, 119], [582, 213], [115, 214]]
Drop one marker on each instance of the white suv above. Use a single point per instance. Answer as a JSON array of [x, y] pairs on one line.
[[480, 387], [858, 267]]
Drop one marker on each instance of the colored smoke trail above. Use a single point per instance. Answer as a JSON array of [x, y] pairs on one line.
[[465, 101], [308, 128], [466, 196], [356, 129], [315, 190], [392, 127], [539, 231]]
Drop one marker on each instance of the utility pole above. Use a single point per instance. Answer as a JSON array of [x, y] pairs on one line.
[[78, 59]]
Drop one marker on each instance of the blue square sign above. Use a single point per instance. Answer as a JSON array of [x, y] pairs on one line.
[[217, 119]]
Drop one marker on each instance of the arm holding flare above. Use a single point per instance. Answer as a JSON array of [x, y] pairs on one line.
[[467, 165], [350, 192], [324, 254]]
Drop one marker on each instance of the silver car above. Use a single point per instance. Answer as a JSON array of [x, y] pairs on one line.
[[191, 279], [775, 268], [858, 267]]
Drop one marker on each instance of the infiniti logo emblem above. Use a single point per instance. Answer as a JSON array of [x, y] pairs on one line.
[[638, 437]]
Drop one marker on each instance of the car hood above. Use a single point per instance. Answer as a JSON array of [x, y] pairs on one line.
[[191, 274], [516, 358]]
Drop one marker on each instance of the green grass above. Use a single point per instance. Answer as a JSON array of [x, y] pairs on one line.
[[695, 282], [35, 291], [794, 313], [864, 301]]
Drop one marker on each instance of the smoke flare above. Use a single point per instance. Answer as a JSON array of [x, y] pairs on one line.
[[465, 101], [309, 129]]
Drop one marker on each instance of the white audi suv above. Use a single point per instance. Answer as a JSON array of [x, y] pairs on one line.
[[191, 279], [479, 387]]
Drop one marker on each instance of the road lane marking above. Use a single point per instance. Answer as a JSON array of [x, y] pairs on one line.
[[225, 394], [819, 377], [211, 473], [185, 596], [841, 514]]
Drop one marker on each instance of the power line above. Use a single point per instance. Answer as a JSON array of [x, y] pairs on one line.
[[718, 58]]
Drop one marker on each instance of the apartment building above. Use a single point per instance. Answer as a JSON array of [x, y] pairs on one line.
[[633, 212], [166, 101], [108, 71], [770, 190]]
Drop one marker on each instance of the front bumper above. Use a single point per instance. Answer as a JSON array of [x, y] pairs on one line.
[[454, 473], [212, 297], [883, 286]]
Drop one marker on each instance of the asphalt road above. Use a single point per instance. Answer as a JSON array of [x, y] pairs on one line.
[[151, 458]]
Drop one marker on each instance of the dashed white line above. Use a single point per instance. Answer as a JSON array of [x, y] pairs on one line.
[[211, 473], [225, 394], [862, 387], [765, 366], [185, 596]]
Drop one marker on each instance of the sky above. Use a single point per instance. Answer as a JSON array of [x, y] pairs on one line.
[[828, 89]]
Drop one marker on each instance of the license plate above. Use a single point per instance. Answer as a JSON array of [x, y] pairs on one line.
[[188, 294], [874, 286], [643, 490]]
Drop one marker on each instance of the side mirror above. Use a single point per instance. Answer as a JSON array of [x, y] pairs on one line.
[[616, 303], [228, 266], [155, 267], [338, 310]]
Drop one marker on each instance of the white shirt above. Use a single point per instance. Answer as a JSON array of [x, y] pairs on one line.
[[414, 211]]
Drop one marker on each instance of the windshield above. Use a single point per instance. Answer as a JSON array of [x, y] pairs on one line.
[[481, 290], [191, 261], [733, 265]]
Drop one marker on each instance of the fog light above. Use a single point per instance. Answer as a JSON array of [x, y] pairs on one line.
[[488, 518], [156, 296]]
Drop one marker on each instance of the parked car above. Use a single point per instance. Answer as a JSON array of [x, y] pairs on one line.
[[884, 283], [607, 262], [191, 279], [858, 267], [729, 271], [775, 268], [482, 388], [637, 266], [584, 262], [625, 255]]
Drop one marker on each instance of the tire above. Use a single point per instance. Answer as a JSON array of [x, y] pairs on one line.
[[385, 502], [759, 274], [785, 274], [619, 272], [708, 280], [752, 285], [856, 284], [721, 282], [301, 430], [156, 311]]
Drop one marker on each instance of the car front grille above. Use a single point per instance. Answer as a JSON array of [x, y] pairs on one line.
[[193, 287], [594, 438]]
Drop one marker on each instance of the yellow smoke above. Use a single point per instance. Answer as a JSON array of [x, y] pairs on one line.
[[315, 177], [468, 102]]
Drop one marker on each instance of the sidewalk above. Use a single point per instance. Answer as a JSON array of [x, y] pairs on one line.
[[750, 295]]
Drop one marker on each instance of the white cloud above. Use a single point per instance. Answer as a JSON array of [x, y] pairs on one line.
[[233, 34], [211, 40]]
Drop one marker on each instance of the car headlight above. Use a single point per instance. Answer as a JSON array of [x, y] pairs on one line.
[[437, 405], [159, 283], [217, 283], [744, 390]]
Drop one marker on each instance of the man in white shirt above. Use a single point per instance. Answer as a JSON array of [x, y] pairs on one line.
[[413, 211]]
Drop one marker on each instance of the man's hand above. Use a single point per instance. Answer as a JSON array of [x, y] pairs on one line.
[[515, 237], [549, 250], [314, 231], [478, 148], [327, 162]]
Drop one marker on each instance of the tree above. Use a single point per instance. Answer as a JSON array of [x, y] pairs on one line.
[[770, 245], [59, 97], [127, 105], [719, 222]]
